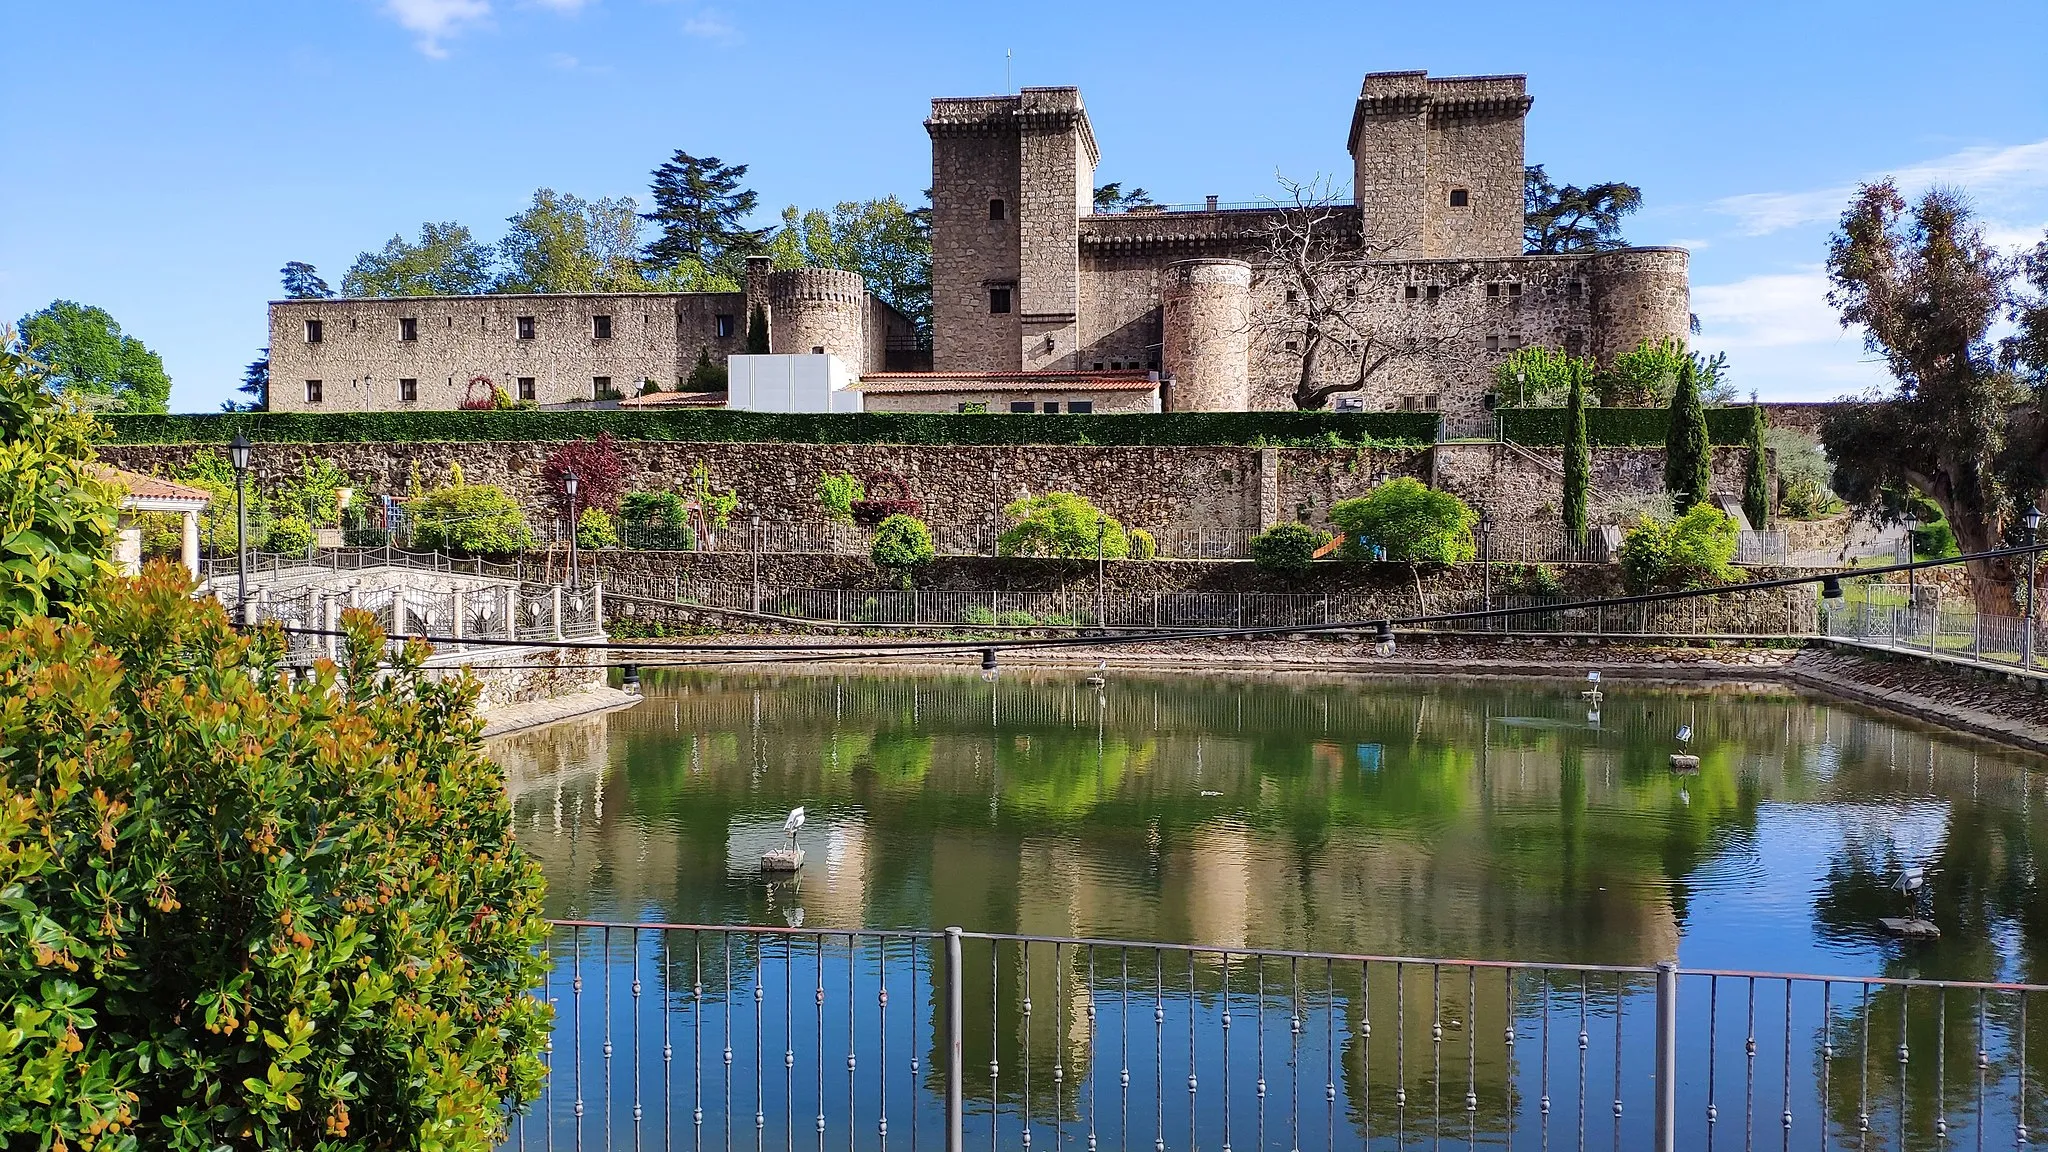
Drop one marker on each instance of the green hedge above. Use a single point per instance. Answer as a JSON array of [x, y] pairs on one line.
[[1621, 427], [719, 425]]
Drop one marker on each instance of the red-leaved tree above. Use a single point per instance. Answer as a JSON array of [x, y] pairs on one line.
[[600, 475]]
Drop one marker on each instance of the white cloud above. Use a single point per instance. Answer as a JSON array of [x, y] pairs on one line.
[[1782, 338], [568, 6], [2015, 170], [710, 24], [1690, 244], [436, 20]]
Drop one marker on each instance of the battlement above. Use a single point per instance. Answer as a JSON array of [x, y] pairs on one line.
[[1045, 109], [1443, 98]]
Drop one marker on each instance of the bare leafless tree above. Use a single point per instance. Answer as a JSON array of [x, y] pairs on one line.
[[1333, 298]]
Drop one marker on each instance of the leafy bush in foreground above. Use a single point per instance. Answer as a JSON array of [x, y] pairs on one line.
[[248, 912], [1289, 547], [1409, 523]]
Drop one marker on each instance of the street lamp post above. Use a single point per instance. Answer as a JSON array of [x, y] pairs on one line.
[[1912, 556], [569, 489], [1486, 567], [1101, 592], [238, 455], [2033, 522]]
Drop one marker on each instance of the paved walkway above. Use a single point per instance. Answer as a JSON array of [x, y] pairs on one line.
[[534, 713]]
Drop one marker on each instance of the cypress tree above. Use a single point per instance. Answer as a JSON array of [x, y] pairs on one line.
[[1687, 451], [757, 332], [1756, 482], [1578, 462]]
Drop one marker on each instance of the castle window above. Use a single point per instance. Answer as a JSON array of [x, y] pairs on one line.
[[998, 300], [1514, 288], [1571, 289], [1022, 406], [1052, 406], [1081, 407], [1098, 365], [995, 209], [526, 327], [600, 327], [1460, 198], [313, 331], [1512, 341], [600, 387], [1293, 347], [1435, 290], [408, 329], [1292, 295], [723, 326], [408, 390], [1493, 291], [1412, 292], [1351, 293], [1493, 343], [526, 387], [312, 391]]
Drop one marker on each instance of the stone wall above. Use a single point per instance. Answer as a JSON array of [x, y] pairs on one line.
[[964, 487], [1416, 141], [1207, 335], [975, 164], [820, 310]]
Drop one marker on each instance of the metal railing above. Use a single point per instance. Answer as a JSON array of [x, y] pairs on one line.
[[508, 611], [1766, 547], [357, 559], [1959, 633], [695, 1036]]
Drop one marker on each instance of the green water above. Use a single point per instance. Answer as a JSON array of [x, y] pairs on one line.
[[1454, 818]]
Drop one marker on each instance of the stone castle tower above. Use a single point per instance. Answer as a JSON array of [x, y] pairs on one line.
[[1026, 276]]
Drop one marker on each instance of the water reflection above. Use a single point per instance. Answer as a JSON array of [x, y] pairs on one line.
[[1415, 818]]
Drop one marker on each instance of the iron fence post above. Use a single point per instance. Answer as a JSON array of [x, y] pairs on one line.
[[1667, 1057], [955, 1137]]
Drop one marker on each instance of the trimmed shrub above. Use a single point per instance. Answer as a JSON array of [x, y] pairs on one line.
[[1289, 547], [1063, 525], [902, 544], [1143, 546], [1407, 522], [594, 529], [1616, 427], [1688, 449], [254, 910], [659, 520], [1276, 429], [838, 492], [1697, 550], [471, 518], [289, 534]]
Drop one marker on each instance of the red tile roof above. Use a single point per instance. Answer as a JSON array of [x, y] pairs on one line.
[[151, 487]]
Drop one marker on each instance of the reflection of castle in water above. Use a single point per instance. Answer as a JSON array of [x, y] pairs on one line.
[[1451, 820]]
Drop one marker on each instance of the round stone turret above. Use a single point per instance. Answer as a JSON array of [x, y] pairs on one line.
[[818, 309], [1638, 294], [1207, 335]]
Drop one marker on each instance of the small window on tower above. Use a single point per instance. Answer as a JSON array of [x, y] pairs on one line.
[[723, 326], [1435, 290], [525, 326], [408, 390], [995, 210], [1292, 295], [408, 328], [600, 327], [313, 331], [1460, 198], [1081, 407], [312, 391], [1493, 343], [1571, 289], [1293, 347], [1492, 290], [526, 387], [1052, 406], [998, 300], [1514, 288], [1411, 292]]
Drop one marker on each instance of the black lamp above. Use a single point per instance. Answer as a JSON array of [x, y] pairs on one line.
[[238, 455]]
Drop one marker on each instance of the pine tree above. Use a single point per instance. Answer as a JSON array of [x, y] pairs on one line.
[[1578, 462], [303, 282], [1756, 482], [255, 385], [757, 331], [1687, 450], [699, 204]]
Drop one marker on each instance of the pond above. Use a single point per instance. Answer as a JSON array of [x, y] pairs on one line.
[[1492, 819]]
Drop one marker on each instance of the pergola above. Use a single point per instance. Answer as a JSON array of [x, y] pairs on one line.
[[156, 494]]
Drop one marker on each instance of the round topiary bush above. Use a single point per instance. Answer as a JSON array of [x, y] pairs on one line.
[[902, 544], [1289, 547], [595, 529], [252, 910], [288, 535]]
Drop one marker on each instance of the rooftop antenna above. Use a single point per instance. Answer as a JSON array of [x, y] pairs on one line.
[[1008, 90]]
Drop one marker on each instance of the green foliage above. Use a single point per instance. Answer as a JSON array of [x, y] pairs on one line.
[[1546, 376], [1289, 547], [81, 352], [1608, 427], [704, 375], [1143, 546], [715, 506], [1531, 579], [1695, 551], [656, 520], [837, 493], [1935, 541], [446, 261], [473, 518], [1688, 453], [757, 331], [1408, 522], [1646, 376], [302, 282], [1362, 429], [594, 529], [1111, 197], [564, 243], [902, 543], [889, 244], [1803, 475], [312, 491], [1064, 525], [1756, 477], [1573, 219], [57, 534], [289, 535], [1578, 456], [700, 205], [252, 910]]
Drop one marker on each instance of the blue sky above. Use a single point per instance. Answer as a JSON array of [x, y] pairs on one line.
[[168, 158]]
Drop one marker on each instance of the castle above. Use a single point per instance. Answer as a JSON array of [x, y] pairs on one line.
[[1419, 287]]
